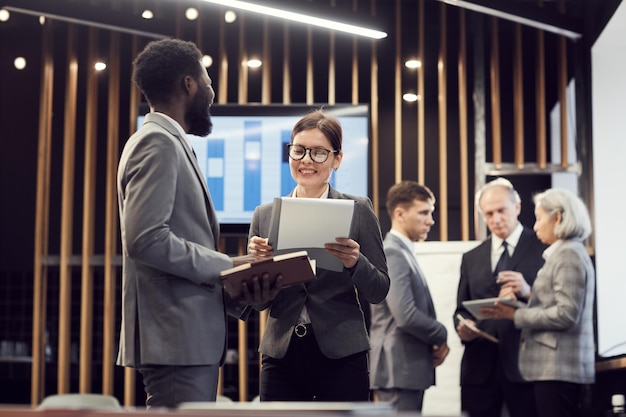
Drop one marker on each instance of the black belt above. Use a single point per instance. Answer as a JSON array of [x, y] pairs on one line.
[[302, 330]]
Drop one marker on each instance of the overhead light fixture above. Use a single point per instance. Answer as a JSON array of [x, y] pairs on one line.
[[513, 18], [253, 63], [230, 16], [19, 63], [192, 13], [4, 15], [301, 18], [207, 61], [413, 63], [410, 97], [147, 14]]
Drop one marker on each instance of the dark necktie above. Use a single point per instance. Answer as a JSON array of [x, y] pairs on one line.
[[503, 262]]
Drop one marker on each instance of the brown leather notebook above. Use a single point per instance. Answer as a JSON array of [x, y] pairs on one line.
[[295, 267]]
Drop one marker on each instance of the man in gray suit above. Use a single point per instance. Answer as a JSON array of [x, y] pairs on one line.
[[173, 315], [407, 340]]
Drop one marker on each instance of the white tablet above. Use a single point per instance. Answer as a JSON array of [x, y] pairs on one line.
[[473, 306]]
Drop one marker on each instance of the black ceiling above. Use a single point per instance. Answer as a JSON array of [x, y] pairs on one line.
[[584, 17]]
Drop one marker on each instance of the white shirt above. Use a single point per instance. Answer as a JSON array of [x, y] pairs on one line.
[[496, 244]]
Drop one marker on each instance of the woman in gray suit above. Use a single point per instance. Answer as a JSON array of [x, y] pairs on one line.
[[315, 344], [557, 345]]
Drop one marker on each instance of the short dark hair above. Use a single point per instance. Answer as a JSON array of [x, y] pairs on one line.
[[162, 65], [405, 193], [318, 119]]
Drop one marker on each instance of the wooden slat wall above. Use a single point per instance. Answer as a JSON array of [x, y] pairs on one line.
[[88, 226], [228, 62], [42, 208], [67, 214]]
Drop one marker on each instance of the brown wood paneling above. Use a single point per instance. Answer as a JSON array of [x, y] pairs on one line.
[[42, 208], [88, 215], [111, 215], [421, 102], [496, 130], [442, 67], [67, 214], [518, 99], [397, 112], [463, 128], [540, 101]]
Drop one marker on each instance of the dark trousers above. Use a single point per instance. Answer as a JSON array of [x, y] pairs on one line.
[[560, 399], [486, 400], [168, 386], [306, 374]]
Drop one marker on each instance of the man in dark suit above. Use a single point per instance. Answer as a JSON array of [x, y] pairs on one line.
[[407, 340], [509, 258], [173, 316]]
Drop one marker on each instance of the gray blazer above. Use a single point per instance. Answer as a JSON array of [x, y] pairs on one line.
[[557, 327], [404, 326], [331, 300], [172, 306]]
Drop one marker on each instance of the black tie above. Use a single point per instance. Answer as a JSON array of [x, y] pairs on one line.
[[503, 262]]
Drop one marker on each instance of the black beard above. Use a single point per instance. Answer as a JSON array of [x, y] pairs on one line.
[[199, 116]]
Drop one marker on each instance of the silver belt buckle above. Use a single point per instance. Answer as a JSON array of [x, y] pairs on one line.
[[300, 330]]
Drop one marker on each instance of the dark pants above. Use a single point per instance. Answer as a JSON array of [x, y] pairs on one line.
[[560, 399], [168, 386], [486, 400], [305, 374]]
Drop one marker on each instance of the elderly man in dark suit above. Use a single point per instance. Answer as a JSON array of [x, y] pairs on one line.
[[407, 340], [173, 315], [509, 258]]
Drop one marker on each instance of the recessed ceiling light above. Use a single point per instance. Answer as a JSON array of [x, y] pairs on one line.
[[4, 15], [410, 97], [254, 63], [100, 66], [147, 14], [413, 63], [19, 62], [192, 13], [230, 16], [207, 61]]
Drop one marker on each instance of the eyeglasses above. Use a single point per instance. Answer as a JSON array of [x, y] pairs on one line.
[[298, 152]]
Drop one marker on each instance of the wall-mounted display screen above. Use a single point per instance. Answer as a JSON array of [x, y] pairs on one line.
[[244, 159]]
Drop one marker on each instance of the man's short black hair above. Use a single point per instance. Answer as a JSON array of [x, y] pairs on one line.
[[162, 65]]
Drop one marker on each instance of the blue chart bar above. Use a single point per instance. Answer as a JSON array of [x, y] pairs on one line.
[[287, 183], [215, 172], [252, 165]]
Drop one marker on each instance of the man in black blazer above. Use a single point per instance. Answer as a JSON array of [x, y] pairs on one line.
[[490, 374]]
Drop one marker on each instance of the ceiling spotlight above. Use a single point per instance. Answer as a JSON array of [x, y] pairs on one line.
[[413, 63], [19, 63], [410, 97], [147, 14], [230, 16], [42, 20], [192, 13], [207, 61], [4, 15], [100, 66], [254, 63]]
